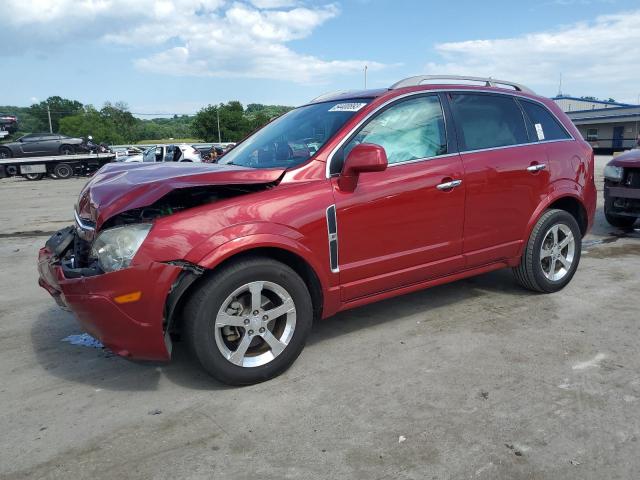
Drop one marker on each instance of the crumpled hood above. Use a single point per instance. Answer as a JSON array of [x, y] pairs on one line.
[[118, 187], [630, 159]]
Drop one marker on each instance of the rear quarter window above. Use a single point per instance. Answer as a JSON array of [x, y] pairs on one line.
[[545, 125], [488, 121]]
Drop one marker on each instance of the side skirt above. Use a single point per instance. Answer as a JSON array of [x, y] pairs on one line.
[[358, 302]]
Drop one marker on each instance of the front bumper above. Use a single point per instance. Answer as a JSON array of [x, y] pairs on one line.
[[137, 329], [622, 200]]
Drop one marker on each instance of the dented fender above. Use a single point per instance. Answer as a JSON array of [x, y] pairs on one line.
[[241, 238]]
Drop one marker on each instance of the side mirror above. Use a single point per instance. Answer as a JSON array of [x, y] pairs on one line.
[[366, 157]]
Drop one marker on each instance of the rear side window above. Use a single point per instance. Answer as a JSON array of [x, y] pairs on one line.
[[488, 121], [545, 126]]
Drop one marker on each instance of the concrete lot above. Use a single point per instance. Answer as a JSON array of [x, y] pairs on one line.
[[476, 379]]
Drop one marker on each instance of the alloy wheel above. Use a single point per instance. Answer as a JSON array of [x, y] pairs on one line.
[[255, 324], [557, 252]]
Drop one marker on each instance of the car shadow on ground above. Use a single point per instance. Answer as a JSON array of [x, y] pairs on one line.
[[420, 302], [102, 369]]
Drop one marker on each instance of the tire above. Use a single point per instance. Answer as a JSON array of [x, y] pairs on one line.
[[217, 348], [618, 220], [535, 271], [67, 150], [62, 171], [33, 176], [5, 153]]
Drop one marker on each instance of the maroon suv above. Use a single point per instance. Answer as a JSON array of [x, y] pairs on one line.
[[622, 189], [347, 200]]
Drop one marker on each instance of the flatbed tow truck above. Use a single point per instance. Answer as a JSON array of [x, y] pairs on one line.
[[55, 166]]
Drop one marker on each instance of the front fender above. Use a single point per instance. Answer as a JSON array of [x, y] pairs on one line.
[[242, 238]]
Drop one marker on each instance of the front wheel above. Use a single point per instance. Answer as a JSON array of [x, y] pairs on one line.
[[5, 153], [249, 321], [67, 150], [552, 254]]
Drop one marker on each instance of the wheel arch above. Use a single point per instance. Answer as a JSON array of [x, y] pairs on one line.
[[295, 261], [567, 200], [575, 207]]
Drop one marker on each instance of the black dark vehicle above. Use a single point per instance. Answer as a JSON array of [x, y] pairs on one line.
[[41, 144], [8, 122], [92, 147]]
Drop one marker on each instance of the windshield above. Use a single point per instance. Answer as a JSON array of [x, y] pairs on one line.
[[295, 137]]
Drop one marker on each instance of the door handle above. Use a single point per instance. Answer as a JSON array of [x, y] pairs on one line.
[[537, 167], [449, 185]]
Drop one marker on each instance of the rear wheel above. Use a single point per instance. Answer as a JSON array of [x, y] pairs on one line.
[[552, 254], [249, 321], [63, 171], [5, 153], [33, 176]]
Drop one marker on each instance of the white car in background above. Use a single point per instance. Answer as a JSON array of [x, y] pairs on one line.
[[168, 153]]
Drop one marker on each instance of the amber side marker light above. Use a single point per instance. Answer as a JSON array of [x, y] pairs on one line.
[[128, 298]]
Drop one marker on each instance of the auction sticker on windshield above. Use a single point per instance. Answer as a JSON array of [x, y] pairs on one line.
[[347, 107]]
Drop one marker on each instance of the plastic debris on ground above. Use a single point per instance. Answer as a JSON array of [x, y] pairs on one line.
[[84, 340]]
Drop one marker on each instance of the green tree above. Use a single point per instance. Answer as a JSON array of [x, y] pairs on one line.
[[59, 108], [205, 124], [235, 122]]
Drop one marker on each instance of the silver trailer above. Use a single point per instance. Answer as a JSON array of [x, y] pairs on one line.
[[56, 166]]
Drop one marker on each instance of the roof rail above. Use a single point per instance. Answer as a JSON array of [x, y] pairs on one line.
[[488, 81]]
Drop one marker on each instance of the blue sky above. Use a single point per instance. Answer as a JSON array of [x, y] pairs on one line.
[[163, 56]]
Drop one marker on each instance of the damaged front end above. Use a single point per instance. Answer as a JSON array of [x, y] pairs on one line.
[[124, 309], [128, 302]]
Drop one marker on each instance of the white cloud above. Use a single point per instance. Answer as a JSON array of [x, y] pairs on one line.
[[273, 3], [190, 37], [595, 58]]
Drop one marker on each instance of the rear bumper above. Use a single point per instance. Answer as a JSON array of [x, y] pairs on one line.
[[136, 329]]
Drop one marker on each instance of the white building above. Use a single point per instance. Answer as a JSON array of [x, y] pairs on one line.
[[611, 126]]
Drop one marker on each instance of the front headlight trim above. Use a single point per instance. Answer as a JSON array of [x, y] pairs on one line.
[[116, 247]]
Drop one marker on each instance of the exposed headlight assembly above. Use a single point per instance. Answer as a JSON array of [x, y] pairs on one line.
[[115, 248], [613, 173]]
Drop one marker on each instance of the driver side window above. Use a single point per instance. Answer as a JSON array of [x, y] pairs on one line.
[[409, 130]]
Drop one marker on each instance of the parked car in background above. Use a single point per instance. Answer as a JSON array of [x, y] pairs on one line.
[[40, 144], [122, 153], [8, 122], [352, 198], [167, 153], [622, 189]]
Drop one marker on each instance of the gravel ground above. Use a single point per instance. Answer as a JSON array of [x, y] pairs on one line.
[[475, 379]]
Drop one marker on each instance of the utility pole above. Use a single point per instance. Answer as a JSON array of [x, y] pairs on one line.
[[560, 86], [218, 117], [365, 76], [49, 115]]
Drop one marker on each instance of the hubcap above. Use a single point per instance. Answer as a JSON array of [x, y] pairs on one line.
[[557, 252], [255, 324]]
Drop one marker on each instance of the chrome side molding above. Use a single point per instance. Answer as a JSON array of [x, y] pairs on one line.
[[332, 229]]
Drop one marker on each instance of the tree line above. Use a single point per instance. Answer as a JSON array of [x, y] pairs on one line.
[[115, 124]]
